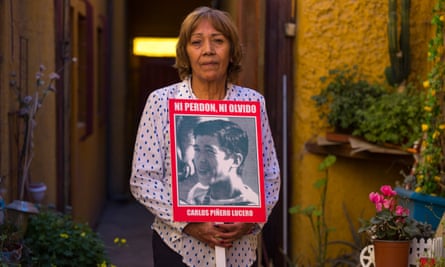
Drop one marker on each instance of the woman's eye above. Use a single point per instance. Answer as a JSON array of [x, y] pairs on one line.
[[195, 42], [219, 41]]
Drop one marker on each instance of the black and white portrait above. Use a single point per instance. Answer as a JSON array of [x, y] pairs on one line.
[[217, 160]]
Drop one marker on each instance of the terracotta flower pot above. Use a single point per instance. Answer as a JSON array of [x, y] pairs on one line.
[[389, 253]]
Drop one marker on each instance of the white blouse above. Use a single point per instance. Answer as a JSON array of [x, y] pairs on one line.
[[151, 178]]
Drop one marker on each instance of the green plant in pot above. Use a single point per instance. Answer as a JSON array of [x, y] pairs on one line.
[[391, 228], [344, 96], [393, 118], [391, 221]]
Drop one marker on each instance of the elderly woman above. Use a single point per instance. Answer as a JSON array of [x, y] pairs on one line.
[[208, 60]]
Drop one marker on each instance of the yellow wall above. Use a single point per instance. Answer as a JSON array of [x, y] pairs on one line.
[[34, 22], [87, 153], [331, 34], [28, 22]]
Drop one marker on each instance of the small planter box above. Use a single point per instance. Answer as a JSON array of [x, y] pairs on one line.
[[423, 208]]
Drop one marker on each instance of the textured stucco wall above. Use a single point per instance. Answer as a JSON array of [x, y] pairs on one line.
[[331, 34], [28, 41], [42, 46], [28, 37]]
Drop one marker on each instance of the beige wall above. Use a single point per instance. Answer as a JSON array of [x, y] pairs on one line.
[[329, 35]]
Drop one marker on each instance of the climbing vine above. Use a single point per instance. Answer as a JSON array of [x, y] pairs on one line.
[[430, 169]]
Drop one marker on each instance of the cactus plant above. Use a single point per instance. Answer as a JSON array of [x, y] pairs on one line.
[[399, 50]]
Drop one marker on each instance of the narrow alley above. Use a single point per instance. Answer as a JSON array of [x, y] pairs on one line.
[[129, 220]]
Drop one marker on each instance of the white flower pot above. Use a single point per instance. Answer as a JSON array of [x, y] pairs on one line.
[[37, 191]]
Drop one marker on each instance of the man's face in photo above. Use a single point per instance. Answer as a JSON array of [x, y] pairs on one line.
[[211, 162]]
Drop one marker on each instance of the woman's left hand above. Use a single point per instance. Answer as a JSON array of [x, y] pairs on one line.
[[234, 231]]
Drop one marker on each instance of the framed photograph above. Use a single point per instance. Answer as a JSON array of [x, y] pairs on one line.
[[217, 168]]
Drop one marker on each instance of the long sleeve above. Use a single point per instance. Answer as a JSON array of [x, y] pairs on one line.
[[270, 162], [151, 176], [150, 180]]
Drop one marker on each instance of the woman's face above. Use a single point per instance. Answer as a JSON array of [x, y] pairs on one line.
[[209, 53]]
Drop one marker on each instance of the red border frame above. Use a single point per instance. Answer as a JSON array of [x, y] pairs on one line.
[[210, 213]]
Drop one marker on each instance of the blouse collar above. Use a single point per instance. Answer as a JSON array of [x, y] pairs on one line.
[[188, 83]]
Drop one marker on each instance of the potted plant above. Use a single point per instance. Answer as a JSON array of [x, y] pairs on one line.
[[393, 119], [344, 96], [384, 115], [391, 229]]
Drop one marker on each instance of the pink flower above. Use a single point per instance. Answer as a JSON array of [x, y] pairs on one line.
[[378, 207], [401, 211], [391, 220], [375, 197], [389, 203], [387, 191]]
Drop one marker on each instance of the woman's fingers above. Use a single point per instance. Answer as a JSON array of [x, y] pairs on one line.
[[208, 233], [234, 231]]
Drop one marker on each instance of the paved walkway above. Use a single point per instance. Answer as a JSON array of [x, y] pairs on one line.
[[129, 220]]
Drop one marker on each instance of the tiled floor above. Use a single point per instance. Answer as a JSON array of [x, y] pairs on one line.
[[129, 220]]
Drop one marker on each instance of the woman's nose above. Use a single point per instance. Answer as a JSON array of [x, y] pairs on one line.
[[208, 48]]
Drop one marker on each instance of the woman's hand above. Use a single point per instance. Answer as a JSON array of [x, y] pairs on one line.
[[218, 234]]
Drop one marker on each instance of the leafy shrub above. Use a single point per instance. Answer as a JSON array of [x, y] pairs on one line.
[[394, 118], [344, 97], [55, 240]]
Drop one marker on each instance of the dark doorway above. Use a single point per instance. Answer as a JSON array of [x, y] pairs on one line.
[[154, 73]]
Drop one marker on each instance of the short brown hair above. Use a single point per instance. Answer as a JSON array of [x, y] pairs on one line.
[[222, 22]]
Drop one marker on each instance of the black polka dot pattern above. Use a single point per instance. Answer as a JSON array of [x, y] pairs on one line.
[[150, 180]]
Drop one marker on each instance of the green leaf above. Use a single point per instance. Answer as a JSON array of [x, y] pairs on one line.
[[327, 162]]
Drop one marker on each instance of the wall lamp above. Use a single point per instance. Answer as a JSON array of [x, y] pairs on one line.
[[154, 46]]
